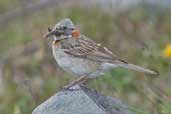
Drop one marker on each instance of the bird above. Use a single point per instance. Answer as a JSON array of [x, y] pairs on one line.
[[81, 56]]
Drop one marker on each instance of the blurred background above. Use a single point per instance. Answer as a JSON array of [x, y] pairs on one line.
[[137, 31]]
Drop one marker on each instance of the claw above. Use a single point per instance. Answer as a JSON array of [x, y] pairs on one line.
[[79, 81], [69, 88]]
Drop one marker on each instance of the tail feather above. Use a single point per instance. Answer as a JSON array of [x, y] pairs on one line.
[[137, 68]]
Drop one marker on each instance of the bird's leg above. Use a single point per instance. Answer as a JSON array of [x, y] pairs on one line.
[[83, 80], [80, 80]]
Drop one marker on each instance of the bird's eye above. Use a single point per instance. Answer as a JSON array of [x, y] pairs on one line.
[[64, 27]]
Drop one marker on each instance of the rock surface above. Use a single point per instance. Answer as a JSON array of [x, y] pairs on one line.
[[81, 100]]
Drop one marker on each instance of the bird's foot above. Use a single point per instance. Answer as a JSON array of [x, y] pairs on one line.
[[79, 82], [69, 87]]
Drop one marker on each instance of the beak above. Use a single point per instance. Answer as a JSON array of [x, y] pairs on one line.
[[53, 32], [49, 33]]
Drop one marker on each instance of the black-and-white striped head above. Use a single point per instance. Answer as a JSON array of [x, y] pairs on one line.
[[63, 29]]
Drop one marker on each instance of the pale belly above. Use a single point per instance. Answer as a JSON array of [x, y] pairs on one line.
[[79, 66]]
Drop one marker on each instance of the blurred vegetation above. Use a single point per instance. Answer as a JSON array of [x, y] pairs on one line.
[[30, 74]]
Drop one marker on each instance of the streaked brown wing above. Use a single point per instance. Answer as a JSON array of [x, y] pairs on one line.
[[88, 49]]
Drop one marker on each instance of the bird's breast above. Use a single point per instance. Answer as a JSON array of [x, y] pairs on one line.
[[74, 65]]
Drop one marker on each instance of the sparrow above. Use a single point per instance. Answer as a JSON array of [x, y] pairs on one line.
[[81, 56]]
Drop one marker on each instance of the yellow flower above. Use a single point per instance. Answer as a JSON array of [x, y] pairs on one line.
[[167, 51]]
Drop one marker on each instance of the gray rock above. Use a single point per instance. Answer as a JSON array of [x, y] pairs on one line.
[[81, 100]]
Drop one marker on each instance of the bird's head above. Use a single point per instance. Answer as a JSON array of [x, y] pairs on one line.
[[64, 29]]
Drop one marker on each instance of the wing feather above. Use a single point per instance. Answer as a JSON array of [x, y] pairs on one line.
[[87, 48]]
